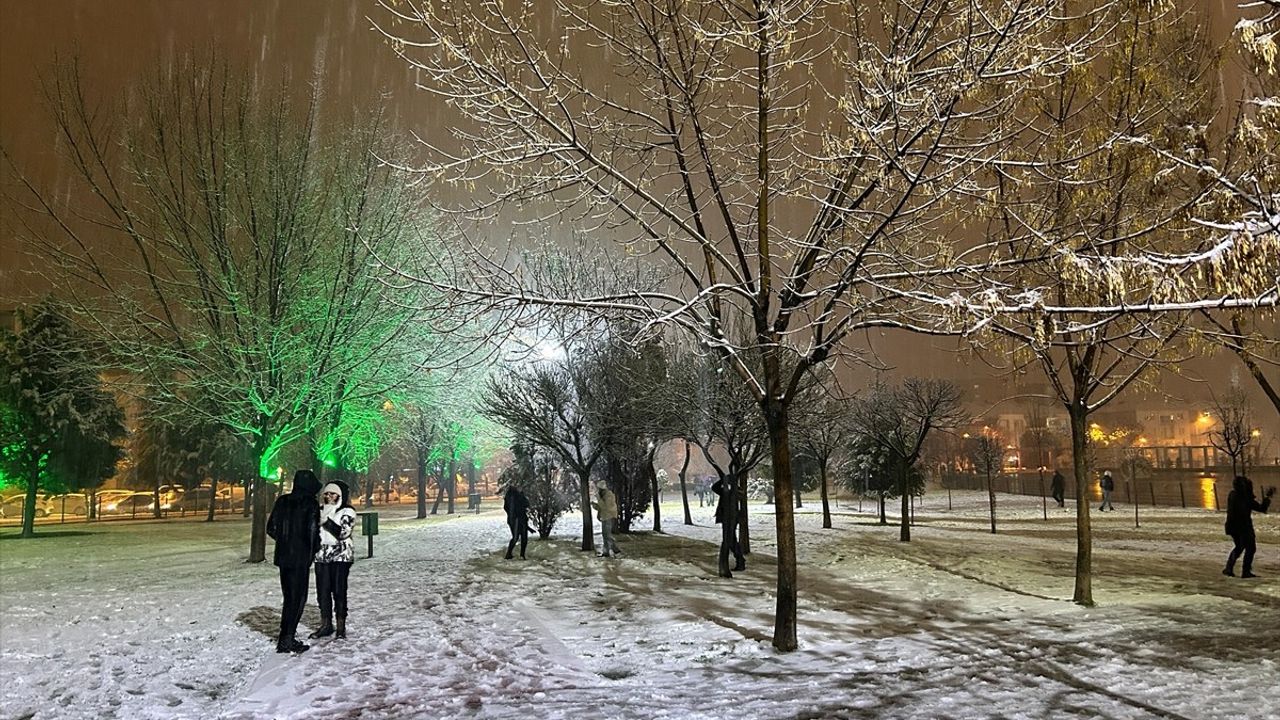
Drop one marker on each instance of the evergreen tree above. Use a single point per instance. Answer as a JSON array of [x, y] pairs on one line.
[[55, 416]]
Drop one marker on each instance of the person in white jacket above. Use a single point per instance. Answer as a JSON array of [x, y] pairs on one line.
[[606, 506], [334, 558]]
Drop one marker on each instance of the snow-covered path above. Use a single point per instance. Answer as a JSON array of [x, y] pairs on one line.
[[163, 621]]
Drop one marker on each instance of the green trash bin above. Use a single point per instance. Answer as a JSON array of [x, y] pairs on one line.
[[369, 527]]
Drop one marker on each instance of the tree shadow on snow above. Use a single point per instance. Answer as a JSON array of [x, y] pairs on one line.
[[46, 534], [266, 620]]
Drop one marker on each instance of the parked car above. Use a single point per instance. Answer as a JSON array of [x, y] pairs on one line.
[[135, 503], [197, 499], [68, 503], [11, 506]]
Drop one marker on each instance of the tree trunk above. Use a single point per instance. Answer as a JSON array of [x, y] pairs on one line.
[[904, 527], [213, 498], [258, 522], [453, 482], [422, 485], [775, 412], [799, 500], [1083, 593], [258, 533], [744, 520], [653, 484], [883, 520], [826, 503], [29, 506], [684, 488], [435, 508], [584, 499], [991, 501]]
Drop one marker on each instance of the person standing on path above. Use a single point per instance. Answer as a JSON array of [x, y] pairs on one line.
[[295, 526], [1108, 484], [606, 506], [334, 558], [517, 507], [1058, 488], [1240, 508]]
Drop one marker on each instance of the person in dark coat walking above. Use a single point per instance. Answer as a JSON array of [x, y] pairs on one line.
[[517, 507], [1058, 488], [1108, 485], [1240, 508], [295, 526], [334, 558]]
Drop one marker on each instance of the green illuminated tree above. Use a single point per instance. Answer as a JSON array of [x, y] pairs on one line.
[[53, 407], [234, 251]]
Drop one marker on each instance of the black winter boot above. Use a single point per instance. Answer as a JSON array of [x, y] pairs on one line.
[[325, 629], [342, 628]]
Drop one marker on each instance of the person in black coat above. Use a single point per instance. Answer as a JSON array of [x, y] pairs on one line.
[[1058, 488], [726, 491], [517, 507], [295, 526], [1240, 508]]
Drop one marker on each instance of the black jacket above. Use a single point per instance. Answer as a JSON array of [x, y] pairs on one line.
[[728, 495], [1240, 508], [295, 525], [516, 505]]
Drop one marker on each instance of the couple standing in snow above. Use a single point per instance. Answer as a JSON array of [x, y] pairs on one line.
[[308, 532]]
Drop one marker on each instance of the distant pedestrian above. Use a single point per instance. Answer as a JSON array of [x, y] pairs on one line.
[[517, 507], [700, 489], [333, 560], [606, 506], [1058, 488], [1240, 508], [1108, 484], [295, 526]]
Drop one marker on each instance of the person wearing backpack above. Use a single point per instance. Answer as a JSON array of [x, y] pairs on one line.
[[1108, 485]]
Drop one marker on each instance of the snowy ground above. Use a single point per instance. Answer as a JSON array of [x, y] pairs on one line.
[[163, 620]]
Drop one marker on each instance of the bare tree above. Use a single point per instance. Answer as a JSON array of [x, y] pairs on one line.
[[1114, 210], [226, 246], [900, 419], [1232, 432], [986, 452], [544, 404], [795, 164], [823, 432], [720, 417]]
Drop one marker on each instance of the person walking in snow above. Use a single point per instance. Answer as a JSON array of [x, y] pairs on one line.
[[295, 526], [1240, 508], [1058, 488], [606, 506], [334, 558], [1108, 484], [517, 507]]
